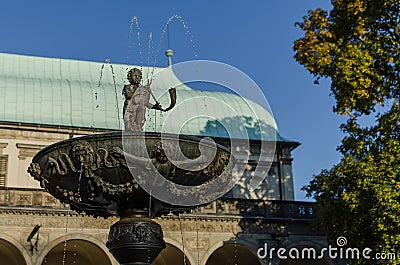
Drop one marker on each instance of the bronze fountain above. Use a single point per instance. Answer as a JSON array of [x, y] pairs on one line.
[[109, 174]]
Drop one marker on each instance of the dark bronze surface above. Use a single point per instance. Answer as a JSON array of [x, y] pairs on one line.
[[91, 174], [135, 239]]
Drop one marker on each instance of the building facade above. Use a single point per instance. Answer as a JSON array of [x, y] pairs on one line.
[[47, 100]]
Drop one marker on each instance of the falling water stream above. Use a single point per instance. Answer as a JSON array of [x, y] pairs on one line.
[[79, 180], [134, 26], [149, 54], [150, 203], [65, 239], [134, 22], [235, 250], [197, 236], [116, 95], [135, 43], [108, 61], [165, 29], [236, 253], [183, 240]]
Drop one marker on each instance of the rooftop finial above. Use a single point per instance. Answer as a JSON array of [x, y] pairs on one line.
[[169, 54]]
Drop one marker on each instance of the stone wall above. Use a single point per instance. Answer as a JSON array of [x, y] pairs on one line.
[[200, 233]]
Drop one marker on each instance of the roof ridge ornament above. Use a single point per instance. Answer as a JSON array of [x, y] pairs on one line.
[[169, 53]]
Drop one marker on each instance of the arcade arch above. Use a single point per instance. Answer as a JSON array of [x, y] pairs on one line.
[[10, 254], [233, 254], [77, 251], [171, 255]]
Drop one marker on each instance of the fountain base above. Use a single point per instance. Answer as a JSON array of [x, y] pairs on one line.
[[135, 239]]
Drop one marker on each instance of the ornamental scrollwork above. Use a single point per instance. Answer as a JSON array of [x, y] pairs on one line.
[[83, 157], [79, 174], [136, 232]]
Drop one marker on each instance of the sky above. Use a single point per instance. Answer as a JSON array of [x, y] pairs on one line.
[[254, 36]]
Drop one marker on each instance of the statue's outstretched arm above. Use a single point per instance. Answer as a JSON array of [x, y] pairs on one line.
[[156, 106]]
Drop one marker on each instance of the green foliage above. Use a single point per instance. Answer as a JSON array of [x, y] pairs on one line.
[[357, 46]]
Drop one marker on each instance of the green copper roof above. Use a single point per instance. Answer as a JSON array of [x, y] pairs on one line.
[[63, 92], [60, 92]]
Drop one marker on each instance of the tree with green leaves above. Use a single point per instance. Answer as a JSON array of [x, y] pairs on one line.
[[357, 46]]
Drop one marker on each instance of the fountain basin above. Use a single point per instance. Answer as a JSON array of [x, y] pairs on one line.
[[96, 175]]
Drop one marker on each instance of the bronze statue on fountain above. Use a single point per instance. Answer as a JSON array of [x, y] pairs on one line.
[[137, 99], [103, 174]]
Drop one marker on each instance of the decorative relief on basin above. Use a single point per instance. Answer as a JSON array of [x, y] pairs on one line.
[[91, 173]]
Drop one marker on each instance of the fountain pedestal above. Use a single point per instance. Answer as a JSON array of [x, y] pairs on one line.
[[135, 239]]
